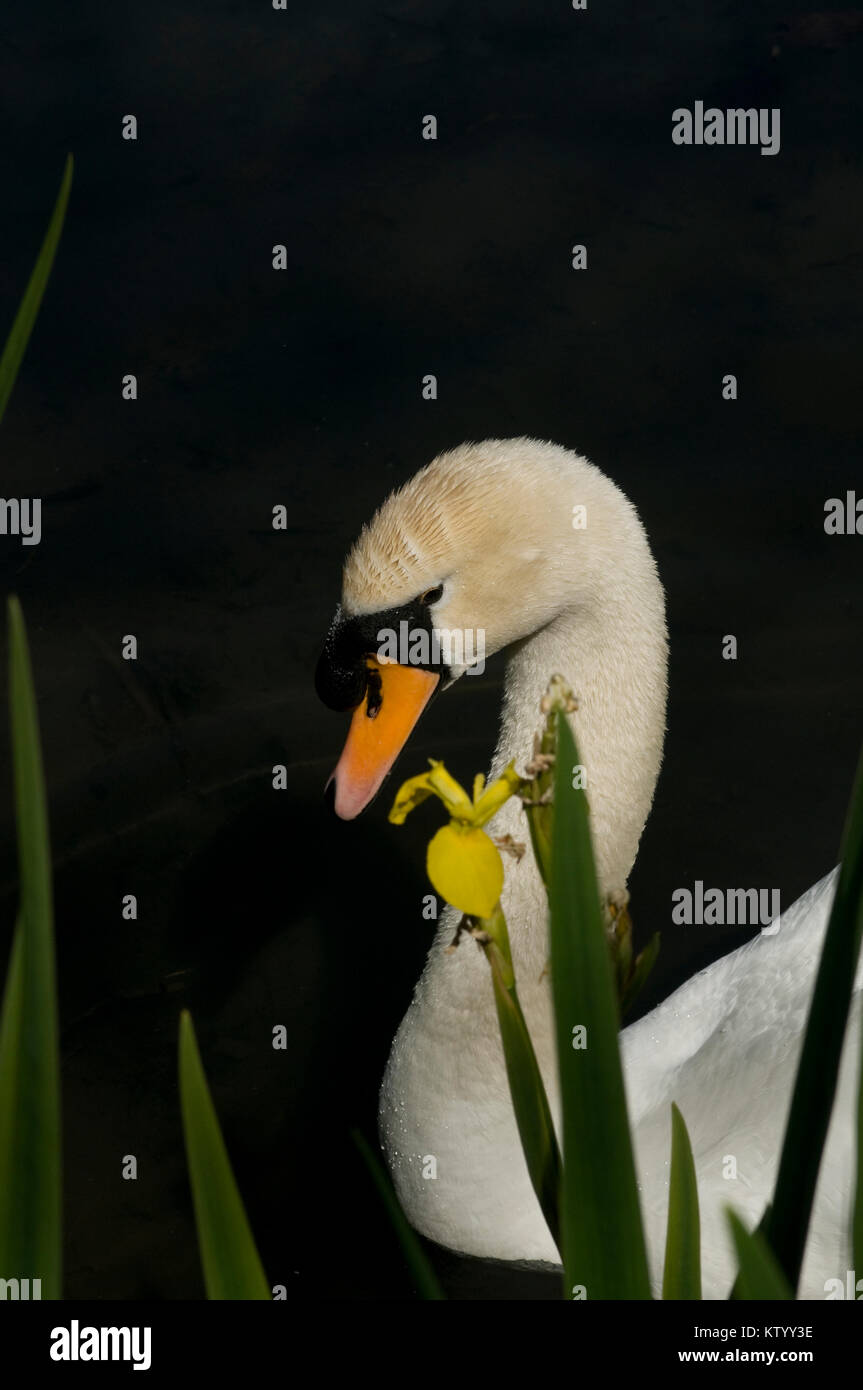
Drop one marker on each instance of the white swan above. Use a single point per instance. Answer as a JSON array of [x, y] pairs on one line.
[[487, 538]]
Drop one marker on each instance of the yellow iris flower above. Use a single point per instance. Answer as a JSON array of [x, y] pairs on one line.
[[463, 862]]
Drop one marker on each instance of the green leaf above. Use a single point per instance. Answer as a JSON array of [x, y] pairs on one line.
[[230, 1261], [644, 963], [682, 1277], [818, 1068], [760, 1276], [857, 1220], [424, 1276], [602, 1235], [760, 1230], [19, 334], [30, 1182]]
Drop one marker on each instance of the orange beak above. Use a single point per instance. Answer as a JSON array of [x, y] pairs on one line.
[[377, 736]]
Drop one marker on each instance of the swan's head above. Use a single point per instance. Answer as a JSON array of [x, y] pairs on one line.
[[480, 548]]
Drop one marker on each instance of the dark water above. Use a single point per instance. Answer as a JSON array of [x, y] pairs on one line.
[[303, 388]]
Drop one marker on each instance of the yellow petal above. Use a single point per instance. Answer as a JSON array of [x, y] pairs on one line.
[[451, 793], [495, 795], [409, 796], [466, 869]]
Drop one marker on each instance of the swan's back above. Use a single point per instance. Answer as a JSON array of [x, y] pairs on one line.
[[725, 1047]]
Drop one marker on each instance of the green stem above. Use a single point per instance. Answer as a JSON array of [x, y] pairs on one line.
[[529, 1100], [536, 794]]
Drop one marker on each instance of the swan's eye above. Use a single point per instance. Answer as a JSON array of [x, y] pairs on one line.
[[431, 595]]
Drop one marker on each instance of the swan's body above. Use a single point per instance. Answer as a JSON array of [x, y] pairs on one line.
[[724, 1047], [493, 525]]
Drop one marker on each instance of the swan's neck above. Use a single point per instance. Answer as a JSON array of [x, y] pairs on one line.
[[613, 653], [605, 634]]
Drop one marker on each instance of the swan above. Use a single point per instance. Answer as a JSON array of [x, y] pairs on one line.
[[533, 546]]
